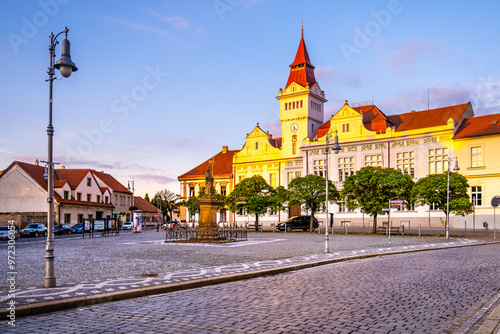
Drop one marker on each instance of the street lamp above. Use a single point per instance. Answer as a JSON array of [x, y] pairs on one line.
[[455, 169], [335, 148], [66, 67]]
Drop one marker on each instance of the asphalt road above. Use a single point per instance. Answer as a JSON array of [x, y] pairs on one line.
[[440, 291]]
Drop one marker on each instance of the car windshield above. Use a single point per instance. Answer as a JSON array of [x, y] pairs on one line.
[[78, 225], [57, 226], [4, 228], [32, 226]]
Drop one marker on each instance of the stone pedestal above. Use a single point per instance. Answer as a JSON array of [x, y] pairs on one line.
[[208, 230]]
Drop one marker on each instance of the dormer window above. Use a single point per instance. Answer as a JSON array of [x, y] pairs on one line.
[[345, 127], [66, 194], [89, 182]]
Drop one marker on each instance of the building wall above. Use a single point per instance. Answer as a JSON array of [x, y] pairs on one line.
[[20, 193]]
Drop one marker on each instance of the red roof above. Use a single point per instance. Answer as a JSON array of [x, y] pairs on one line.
[[429, 118], [73, 176], [301, 70], [223, 167], [111, 182], [479, 126], [144, 205], [373, 118]]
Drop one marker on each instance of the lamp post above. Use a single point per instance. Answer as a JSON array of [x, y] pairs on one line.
[[131, 201], [455, 169], [66, 67], [335, 148]]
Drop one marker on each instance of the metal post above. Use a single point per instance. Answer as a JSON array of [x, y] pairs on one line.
[[327, 250], [448, 203], [494, 224]]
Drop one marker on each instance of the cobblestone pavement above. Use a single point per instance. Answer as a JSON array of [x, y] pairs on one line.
[[440, 291]]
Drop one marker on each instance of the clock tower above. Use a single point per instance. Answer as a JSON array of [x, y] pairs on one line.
[[301, 103]]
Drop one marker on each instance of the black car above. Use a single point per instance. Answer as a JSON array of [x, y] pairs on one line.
[[62, 229], [298, 222]]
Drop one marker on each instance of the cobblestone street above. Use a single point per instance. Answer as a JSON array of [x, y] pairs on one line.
[[440, 291]]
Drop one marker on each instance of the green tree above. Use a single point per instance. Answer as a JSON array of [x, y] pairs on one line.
[[193, 205], [251, 196], [371, 189], [167, 201], [433, 189], [279, 199], [310, 191], [146, 197]]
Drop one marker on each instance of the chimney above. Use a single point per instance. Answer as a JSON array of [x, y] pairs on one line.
[[63, 167], [36, 162], [224, 149]]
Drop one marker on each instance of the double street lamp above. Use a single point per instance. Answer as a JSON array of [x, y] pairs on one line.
[[66, 67], [455, 169], [335, 148]]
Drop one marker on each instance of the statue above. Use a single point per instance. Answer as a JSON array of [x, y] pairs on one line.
[[209, 181]]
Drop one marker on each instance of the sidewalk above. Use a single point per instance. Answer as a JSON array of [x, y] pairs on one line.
[[36, 300]]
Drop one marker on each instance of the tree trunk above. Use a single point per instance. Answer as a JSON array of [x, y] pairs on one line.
[[256, 222], [374, 229], [311, 222]]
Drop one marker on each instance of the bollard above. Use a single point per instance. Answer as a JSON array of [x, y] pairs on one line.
[[345, 229], [419, 235]]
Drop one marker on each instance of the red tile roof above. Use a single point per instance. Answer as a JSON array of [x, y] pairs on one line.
[[428, 118], [479, 126], [223, 167], [301, 70], [373, 118], [144, 205], [111, 182], [73, 176]]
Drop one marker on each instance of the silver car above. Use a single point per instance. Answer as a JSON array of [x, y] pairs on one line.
[[5, 231]]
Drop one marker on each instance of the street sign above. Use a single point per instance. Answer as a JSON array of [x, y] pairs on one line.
[[495, 201], [396, 201], [386, 209], [156, 215]]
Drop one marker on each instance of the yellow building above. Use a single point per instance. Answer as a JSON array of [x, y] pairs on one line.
[[418, 143]]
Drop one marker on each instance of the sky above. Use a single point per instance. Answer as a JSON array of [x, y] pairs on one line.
[[161, 86]]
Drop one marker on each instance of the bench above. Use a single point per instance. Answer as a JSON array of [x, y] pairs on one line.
[[251, 227], [393, 229]]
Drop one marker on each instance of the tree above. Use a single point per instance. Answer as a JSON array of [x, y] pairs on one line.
[[193, 205], [167, 201], [433, 189], [371, 189], [279, 199], [310, 191], [251, 196], [146, 197]]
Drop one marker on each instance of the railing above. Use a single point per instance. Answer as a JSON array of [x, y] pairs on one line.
[[212, 235]]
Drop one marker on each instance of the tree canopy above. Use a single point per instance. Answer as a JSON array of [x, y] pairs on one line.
[[251, 196], [310, 191], [432, 189], [371, 189], [167, 201]]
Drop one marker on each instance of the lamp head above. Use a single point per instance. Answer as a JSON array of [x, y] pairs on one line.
[[456, 169], [65, 65], [336, 147]]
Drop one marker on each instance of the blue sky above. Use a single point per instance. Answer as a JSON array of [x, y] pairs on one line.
[[161, 86]]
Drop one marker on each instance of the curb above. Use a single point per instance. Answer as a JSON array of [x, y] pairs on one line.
[[74, 302]]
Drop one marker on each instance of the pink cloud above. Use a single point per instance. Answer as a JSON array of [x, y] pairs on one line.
[[406, 55]]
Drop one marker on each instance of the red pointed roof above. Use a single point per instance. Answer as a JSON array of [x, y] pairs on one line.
[[144, 205], [479, 126], [301, 70], [111, 182], [373, 118]]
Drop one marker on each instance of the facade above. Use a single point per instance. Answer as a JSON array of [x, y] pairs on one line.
[[120, 196], [149, 211], [78, 195], [417, 143]]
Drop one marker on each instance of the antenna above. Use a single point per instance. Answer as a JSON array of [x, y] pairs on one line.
[[427, 98]]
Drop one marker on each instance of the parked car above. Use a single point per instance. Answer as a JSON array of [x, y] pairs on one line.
[[62, 229], [127, 226], [173, 224], [5, 231], [34, 229], [77, 228], [298, 222]]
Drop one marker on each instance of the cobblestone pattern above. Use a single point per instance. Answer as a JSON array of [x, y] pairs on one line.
[[34, 295], [425, 292]]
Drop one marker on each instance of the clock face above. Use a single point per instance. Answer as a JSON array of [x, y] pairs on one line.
[[294, 127]]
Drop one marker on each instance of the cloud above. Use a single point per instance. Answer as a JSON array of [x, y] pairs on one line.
[[154, 178], [404, 57], [177, 21], [336, 76]]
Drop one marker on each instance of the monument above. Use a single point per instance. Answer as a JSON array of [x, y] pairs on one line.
[[208, 230]]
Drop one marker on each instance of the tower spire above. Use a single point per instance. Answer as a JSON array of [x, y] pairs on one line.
[[301, 70]]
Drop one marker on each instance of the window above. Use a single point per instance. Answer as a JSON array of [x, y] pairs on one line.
[[405, 162], [319, 167], [346, 168], [293, 105], [301, 103], [106, 199], [438, 160], [116, 202], [191, 191], [256, 146], [312, 128], [290, 176], [343, 207], [91, 216], [476, 156], [89, 182], [78, 196], [67, 218], [373, 160], [66, 194], [98, 215], [80, 218], [476, 195], [298, 174], [434, 206], [98, 199], [345, 127], [286, 106], [272, 180], [89, 197], [128, 201], [223, 190], [294, 148]]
